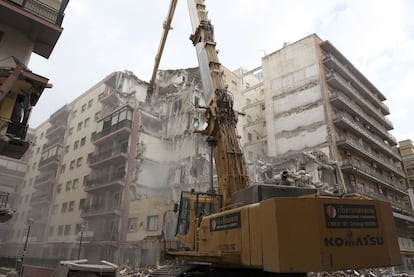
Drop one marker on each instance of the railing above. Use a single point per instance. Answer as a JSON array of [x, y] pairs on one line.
[[41, 10], [39, 197], [340, 117], [101, 208], [356, 80], [90, 183], [16, 129], [122, 124], [362, 114], [107, 154], [365, 150], [355, 94], [58, 140], [54, 158], [378, 177], [103, 236], [4, 197], [55, 127], [45, 177]]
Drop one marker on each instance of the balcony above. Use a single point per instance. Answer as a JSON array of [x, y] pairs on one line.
[[56, 141], [337, 82], [342, 102], [101, 210], [121, 130], [110, 98], [367, 172], [60, 116], [45, 179], [29, 15], [255, 122], [399, 206], [107, 158], [50, 162], [106, 181], [40, 197], [333, 63], [102, 236], [345, 123], [57, 130], [4, 197], [351, 144]]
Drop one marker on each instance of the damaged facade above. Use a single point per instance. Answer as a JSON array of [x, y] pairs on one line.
[[108, 168]]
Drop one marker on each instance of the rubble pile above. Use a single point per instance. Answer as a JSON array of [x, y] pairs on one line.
[[127, 271]]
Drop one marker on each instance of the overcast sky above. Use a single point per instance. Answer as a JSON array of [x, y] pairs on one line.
[[102, 36]]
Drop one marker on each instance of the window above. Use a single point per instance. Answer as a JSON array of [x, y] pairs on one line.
[[59, 188], [83, 141], [86, 122], [79, 162], [54, 209], [74, 113], [249, 137], [75, 183], [76, 145], [70, 131], [80, 126], [50, 233], [196, 101], [101, 95], [71, 206], [63, 168], [97, 116], [83, 108], [79, 228], [60, 230], [37, 150], [41, 135], [64, 207], [67, 230], [152, 223], [82, 204], [132, 224], [72, 164], [67, 147], [90, 103], [85, 180], [68, 185], [88, 159]]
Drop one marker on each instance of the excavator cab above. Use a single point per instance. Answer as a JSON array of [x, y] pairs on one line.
[[20, 90], [193, 207]]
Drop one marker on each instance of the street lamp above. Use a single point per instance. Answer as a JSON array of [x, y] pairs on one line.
[[29, 223], [82, 229]]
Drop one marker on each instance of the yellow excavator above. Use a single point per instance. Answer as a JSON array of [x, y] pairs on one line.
[[267, 230]]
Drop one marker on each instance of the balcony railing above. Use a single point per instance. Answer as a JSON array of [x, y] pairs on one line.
[[342, 118], [13, 128], [4, 197], [107, 154], [45, 177], [337, 96], [398, 205], [106, 179], [50, 143], [373, 156], [330, 57], [112, 128], [41, 197], [375, 176], [52, 159], [41, 10], [103, 236], [101, 209], [354, 94]]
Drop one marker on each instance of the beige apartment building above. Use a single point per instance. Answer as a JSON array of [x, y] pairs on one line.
[[307, 102], [107, 168], [407, 154]]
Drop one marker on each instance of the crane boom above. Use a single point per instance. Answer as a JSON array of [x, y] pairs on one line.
[[221, 117], [166, 29]]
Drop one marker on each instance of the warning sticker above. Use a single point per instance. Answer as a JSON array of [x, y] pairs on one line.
[[350, 216]]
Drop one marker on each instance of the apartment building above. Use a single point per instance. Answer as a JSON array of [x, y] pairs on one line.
[[105, 170], [407, 154], [308, 98], [26, 27]]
